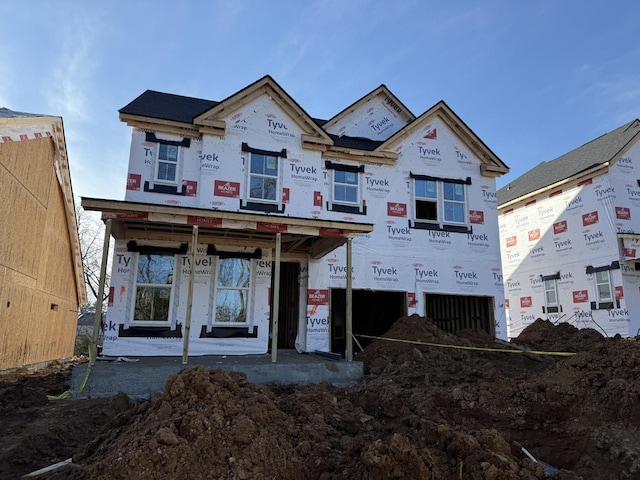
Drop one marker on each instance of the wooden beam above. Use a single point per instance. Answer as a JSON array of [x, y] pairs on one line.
[[187, 320], [275, 300], [97, 321], [349, 306]]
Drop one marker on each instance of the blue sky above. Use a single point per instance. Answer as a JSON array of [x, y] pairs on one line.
[[533, 79]]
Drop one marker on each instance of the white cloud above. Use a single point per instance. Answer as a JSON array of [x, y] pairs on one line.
[[71, 76]]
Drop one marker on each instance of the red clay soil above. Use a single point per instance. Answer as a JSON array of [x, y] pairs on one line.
[[423, 412]]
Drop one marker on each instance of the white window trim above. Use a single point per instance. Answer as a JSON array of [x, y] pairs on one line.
[[358, 202], [152, 323], [278, 200], [249, 289], [555, 288], [158, 181], [440, 201], [600, 299]]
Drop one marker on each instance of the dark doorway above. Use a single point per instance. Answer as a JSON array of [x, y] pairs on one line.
[[289, 306], [452, 313], [373, 312]]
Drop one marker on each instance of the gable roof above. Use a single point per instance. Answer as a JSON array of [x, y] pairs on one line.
[[213, 117], [596, 153], [491, 164], [194, 116], [381, 89]]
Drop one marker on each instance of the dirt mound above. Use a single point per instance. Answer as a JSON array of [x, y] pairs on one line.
[[441, 406], [207, 424], [561, 337]]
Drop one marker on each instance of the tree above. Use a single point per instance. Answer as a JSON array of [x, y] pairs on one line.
[[91, 236]]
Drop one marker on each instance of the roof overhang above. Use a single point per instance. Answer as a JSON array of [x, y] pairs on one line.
[[597, 170], [151, 222]]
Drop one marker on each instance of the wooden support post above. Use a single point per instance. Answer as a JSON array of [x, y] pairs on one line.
[[192, 271], [349, 319], [97, 319], [275, 300]]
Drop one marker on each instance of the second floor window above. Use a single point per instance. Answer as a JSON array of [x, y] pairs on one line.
[[345, 187], [440, 203], [167, 164], [263, 178]]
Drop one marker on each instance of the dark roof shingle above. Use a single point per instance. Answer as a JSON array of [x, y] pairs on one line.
[[591, 154], [167, 106]]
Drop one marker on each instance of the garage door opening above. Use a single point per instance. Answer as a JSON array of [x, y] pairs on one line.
[[453, 313], [373, 312]]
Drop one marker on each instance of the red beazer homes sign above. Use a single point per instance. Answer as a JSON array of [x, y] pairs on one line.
[[580, 296], [226, 189], [525, 302], [396, 209], [560, 227], [134, 181], [317, 297], [623, 213], [590, 218], [476, 216], [534, 234]]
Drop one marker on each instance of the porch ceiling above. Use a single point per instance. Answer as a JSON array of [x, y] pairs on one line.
[[299, 236]]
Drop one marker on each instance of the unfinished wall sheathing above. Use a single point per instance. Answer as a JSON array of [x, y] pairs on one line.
[[39, 297], [212, 173], [569, 234]]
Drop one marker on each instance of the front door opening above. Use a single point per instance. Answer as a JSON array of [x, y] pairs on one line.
[[453, 313], [373, 313], [289, 304]]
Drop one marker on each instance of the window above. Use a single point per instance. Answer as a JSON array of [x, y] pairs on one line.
[[166, 166], [232, 290], [167, 170], [154, 282], [603, 286], [454, 202], [551, 293], [263, 178], [551, 302], [264, 190], [426, 193], [345, 187], [440, 203], [346, 194], [605, 298]]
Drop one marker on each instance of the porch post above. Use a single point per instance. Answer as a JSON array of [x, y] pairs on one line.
[[275, 300], [97, 319], [349, 319], [192, 271]]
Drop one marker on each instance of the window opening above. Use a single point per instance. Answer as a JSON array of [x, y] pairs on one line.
[[154, 283]]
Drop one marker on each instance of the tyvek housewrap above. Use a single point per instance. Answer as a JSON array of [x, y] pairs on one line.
[[393, 257], [566, 230]]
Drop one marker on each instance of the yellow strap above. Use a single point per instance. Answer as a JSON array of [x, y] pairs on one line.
[[462, 347]]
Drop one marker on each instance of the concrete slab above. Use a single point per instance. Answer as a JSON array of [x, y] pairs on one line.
[[144, 377]]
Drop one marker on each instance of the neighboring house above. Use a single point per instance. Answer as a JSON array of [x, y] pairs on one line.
[[41, 281], [569, 232], [285, 205]]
